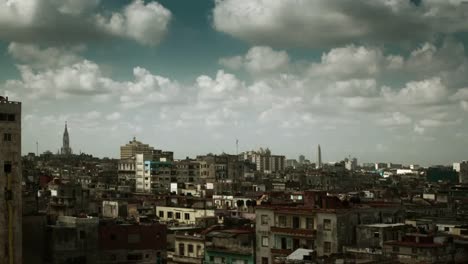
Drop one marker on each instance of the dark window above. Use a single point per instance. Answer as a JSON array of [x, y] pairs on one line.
[[7, 167], [326, 224], [7, 137], [190, 248], [326, 247], [3, 117], [264, 260], [296, 222], [414, 250], [282, 221], [376, 234], [181, 249], [177, 215], [11, 117], [396, 249], [169, 215], [309, 223], [161, 213], [134, 257], [113, 237], [187, 216], [264, 219], [82, 234]]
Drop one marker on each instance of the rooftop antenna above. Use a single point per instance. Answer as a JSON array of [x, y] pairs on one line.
[[237, 147], [37, 148]]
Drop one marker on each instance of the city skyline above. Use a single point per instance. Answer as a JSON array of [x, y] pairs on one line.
[[206, 77]]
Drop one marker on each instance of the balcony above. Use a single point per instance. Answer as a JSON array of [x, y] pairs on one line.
[[293, 231], [186, 259], [282, 252]]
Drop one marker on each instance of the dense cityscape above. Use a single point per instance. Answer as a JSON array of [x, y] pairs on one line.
[[250, 207], [233, 131]]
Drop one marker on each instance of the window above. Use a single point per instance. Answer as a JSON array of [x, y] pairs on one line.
[[446, 229], [396, 249], [134, 257], [82, 234], [7, 167], [264, 260], [7, 137], [309, 223], [11, 117], [133, 238], [169, 215], [182, 249], [177, 215], [326, 247], [326, 224], [414, 250], [113, 237], [211, 258], [190, 248], [376, 234], [282, 221], [265, 241], [187, 216], [296, 222], [161, 214], [264, 219]]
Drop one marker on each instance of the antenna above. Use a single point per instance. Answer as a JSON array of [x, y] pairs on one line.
[[37, 148], [237, 147]]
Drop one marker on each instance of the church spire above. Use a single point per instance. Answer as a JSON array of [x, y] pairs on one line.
[[66, 150]]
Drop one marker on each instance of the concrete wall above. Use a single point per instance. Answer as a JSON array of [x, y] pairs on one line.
[[263, 230], [10, 151]]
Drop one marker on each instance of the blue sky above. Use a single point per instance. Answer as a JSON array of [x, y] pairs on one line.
[[192, 76]]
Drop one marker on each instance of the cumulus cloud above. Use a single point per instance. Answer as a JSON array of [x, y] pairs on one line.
[[302, 23], [395, 119], [114, 116], [44, 58], [430, 91], [69, 21], [145, 23], [258, 60], [82, 78]]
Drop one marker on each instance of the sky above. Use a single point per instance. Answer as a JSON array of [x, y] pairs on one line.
[[378, 80]]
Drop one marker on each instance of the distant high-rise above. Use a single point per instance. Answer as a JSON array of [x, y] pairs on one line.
[[10, 182], [66, 150], [319, 157]]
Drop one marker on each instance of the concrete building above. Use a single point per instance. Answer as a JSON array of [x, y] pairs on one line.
[[132, 243], [351, 164], [10, 182], [136, 147], [187, 216], [265, 162], [189, 248], [230, 246], [462, 169], [73, 240]]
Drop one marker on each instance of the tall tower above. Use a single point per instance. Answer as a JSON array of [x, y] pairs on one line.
[[66, 150], [10, 182], [319, 157]]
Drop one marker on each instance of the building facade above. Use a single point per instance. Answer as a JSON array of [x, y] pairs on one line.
[[10, 182]]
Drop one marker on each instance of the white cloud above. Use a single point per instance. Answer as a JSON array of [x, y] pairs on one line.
[[419, 129], [429, 91], [71, 21], [221, 88], [52, 57], [145, 23], [83, 78], [349, 62], [353, 87], [302, 23], [113, 116], [395, 119], [258, 60]]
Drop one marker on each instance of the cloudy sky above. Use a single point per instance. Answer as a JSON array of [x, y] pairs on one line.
[[380, 80]]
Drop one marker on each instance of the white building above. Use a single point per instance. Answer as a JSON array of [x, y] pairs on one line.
[[462, 169], [187, 216]]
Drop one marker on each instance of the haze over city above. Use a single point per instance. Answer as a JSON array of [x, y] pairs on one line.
[[194, 76]]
